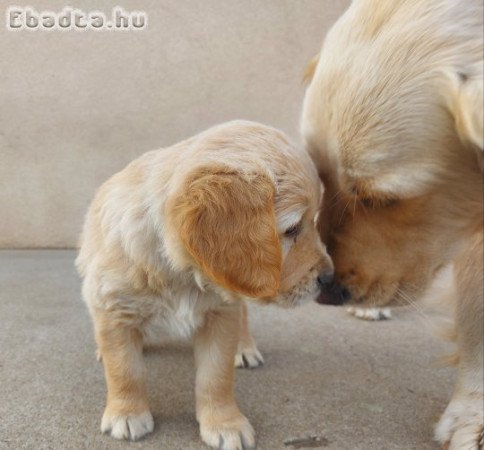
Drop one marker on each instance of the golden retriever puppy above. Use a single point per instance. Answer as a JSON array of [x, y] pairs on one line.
[[393, 118], [176, 241]]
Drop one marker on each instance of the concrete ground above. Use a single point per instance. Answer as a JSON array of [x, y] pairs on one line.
[[349, 383]]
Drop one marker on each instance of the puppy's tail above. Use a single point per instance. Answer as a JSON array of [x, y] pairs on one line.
[[310, 69]]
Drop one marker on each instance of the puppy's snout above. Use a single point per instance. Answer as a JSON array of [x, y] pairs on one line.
[[325, 279], [333, 293]]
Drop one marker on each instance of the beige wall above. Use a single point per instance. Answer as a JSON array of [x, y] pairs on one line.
[[76, 107]]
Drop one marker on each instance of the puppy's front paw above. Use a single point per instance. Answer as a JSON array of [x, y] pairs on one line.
[[130, 427], [461, 427], [237, 434], [370, 313], [248, 357]]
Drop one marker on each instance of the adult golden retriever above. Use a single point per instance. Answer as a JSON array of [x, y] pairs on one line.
[[393, 118]]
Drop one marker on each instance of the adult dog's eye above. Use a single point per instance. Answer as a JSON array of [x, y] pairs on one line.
[[293, 231], [380, 203], [391, 202]]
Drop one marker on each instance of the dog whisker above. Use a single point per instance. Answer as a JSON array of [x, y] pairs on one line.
[[417, 308], [343, 212]]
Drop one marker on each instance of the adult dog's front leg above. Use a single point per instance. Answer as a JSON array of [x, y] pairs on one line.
[[222, 425], [462, 424], [127, 414]]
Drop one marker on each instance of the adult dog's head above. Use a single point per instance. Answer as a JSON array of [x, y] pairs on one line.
[[242, 216], [393, 118]]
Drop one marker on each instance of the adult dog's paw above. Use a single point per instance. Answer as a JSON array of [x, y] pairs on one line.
[[236, 435], [370, 313], [130, 427], [248, 357], [461, 427]]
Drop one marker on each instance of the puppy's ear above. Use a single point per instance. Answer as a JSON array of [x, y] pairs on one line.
[[466, 102], [310, 69], [226, 221]]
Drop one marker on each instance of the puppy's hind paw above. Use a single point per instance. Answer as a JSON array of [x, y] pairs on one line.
[[461, 427], [130, 427], [248, 358], [371, 314]]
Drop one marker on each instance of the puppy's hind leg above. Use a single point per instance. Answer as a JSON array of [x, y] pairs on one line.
[[462, 424], [248, 356], [127, 414]]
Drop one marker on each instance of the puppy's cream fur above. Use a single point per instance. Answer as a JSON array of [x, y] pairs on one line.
[[393, 117], [174, 244]]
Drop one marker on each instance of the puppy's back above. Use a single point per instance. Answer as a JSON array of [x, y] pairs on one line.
[[125, 222]]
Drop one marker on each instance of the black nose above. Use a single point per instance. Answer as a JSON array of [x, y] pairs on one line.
[[325, 279], [333, 293]]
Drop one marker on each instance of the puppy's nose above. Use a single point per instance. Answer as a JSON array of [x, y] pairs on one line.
[[325, 278]]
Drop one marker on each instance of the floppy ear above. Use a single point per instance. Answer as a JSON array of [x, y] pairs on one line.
[[310, 69], [226, 221], [466, 103]]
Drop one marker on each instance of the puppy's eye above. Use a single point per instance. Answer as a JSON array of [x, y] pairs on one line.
[[293, 231]]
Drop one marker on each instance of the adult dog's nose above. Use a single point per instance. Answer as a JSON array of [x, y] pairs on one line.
[[325, 279], [333, 293]]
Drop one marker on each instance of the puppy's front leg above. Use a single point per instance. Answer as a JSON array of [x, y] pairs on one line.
[[222, 425], [127, 414]]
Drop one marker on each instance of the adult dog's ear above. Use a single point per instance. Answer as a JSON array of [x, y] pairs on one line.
[[466, 102], [226, 221]]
